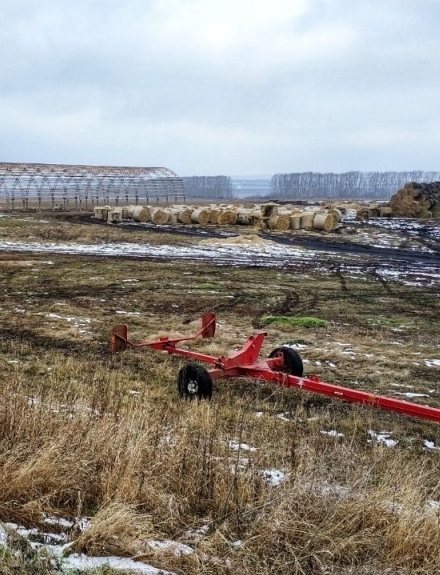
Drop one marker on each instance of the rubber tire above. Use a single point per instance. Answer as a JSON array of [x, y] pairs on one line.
[[293, 364], [194, 381]]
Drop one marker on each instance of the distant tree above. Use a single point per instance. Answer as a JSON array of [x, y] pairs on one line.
[[355, 185], [208, 187]]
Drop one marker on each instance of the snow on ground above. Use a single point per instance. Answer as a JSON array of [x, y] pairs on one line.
[[383, 437], [262, 254]]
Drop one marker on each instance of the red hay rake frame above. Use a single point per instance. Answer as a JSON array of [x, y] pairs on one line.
[[247, 363]]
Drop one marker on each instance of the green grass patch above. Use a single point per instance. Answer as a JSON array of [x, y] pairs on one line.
[[209, 286], [295, 321]]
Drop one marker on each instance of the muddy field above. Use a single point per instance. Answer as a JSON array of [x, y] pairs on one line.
[[104, 463]]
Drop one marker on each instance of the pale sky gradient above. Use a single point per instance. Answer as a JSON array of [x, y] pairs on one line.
[[233, 87]]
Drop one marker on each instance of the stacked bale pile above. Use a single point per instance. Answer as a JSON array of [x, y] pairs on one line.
[[416, 200]]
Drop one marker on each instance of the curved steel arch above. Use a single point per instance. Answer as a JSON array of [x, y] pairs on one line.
[[59, 182]]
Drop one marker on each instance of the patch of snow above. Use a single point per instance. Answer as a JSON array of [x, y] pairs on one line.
[[84, 563], [432, 362], [274, 476], [383, 437], [61, 521], [283, 416], [235, 445], [411, 395], [430, 445], [177, 549], [333, 433]]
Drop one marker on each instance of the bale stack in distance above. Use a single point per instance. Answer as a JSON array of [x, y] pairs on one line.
[[416, 200]]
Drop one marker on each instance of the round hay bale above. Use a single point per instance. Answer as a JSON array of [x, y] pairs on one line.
[[295, 222], [269, 210], [307, 220], [213, 215], [244, 217], [126, 213], [336, 214], [257, 222], [363, 214], [114, 216], [279, 223], [159, 217], [173, 215], [184, 215], [105, 211], [140, 213], [386, 212], [324, 220], [227, 217], [98, 212], [375, 212], [200, 216]]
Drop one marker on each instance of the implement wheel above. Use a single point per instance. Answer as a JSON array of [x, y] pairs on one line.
[[194, 381], [292, 362]]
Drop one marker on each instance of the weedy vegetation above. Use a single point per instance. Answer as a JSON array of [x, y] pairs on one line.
[[259, 480]]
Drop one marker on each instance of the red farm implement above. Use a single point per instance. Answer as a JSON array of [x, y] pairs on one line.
[[283, 367]]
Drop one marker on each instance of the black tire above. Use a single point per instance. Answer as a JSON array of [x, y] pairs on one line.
[[293, 364], [194, 381]]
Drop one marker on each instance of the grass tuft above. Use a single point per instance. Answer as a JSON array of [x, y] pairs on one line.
[[294, 321]]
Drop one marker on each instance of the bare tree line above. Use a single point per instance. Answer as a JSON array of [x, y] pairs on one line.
[[368, 185], [215, 187]]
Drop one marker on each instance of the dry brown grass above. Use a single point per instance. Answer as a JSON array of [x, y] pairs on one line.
[[83, 433]]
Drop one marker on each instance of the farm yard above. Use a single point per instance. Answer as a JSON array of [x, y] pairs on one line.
[[103, 467]]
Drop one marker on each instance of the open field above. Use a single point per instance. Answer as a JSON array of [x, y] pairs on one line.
[[99, 456]]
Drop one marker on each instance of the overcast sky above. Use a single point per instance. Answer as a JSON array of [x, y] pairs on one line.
[[234, 87]]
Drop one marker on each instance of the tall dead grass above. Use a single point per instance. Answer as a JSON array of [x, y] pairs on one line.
[[86, 434]]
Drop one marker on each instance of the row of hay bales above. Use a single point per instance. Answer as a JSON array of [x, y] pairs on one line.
[[367, 212], [417, 200], [261, 217]]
